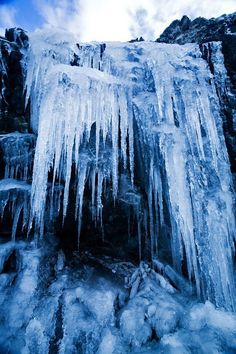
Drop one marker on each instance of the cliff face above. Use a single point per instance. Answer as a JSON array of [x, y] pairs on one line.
[[203, 31], [200, 30], [13, 48]]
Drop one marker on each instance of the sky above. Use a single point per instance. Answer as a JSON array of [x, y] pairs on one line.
[[107, 20]]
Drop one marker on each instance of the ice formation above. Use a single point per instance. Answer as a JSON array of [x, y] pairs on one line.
[[17, 151], [15, 196], [150, 112]]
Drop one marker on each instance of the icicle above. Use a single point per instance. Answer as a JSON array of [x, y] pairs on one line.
[[139, 237], [99, 196], [18, 210], [80, 194], [93, 188], [131, 146], [69, 116], [93, 119]]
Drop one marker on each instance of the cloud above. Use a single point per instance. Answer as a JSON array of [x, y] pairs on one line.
[[8, 17], [61, 14], [141, 25], [105, 20], [167, 11], [160, 13]]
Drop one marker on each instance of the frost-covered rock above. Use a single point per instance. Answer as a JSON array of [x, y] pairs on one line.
[[110, 344], [134, 329], [60, 261], [166, 318], [77, 310], [151, 309], [36, 341]]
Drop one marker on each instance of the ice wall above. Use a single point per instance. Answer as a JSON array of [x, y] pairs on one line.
[[92, 103]]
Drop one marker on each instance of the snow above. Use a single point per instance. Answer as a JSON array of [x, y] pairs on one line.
[[109, 344], [79, 309], [133, 327], [8, 184]]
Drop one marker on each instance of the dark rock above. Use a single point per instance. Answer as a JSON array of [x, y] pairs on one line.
[[199, 30], [10, 264], [102, 49], [140, 39], [13, 116], [75, 61], [17, 35], [185, 23], [229, 51]]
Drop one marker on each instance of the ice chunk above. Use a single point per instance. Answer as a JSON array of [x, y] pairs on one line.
[[135, 330], [109, 344]]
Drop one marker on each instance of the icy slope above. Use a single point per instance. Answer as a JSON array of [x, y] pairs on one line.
[[153, 107], [52, 305]]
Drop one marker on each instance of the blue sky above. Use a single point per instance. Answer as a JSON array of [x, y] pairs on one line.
[[106, 19], [26, 14]]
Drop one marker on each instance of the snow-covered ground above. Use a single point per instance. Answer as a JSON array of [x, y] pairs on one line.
[[51, 305]]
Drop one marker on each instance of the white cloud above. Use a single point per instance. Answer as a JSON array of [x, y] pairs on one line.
[[169, 10], [124, 19], [140, 24], [8, 17], [61, 14]]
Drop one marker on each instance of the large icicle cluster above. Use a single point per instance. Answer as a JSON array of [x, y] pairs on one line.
[[92, 104]]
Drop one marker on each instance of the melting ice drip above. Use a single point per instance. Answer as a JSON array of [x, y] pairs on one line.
[[161, 98]]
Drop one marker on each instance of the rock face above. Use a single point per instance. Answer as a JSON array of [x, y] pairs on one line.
[[199, 30], [12, 108], [203, 31]]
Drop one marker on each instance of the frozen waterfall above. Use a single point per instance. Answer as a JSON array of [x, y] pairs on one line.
[[149, 112]]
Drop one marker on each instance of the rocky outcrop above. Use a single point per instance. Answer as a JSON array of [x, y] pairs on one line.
[[13, 47], [199, 30], [204, 31]]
